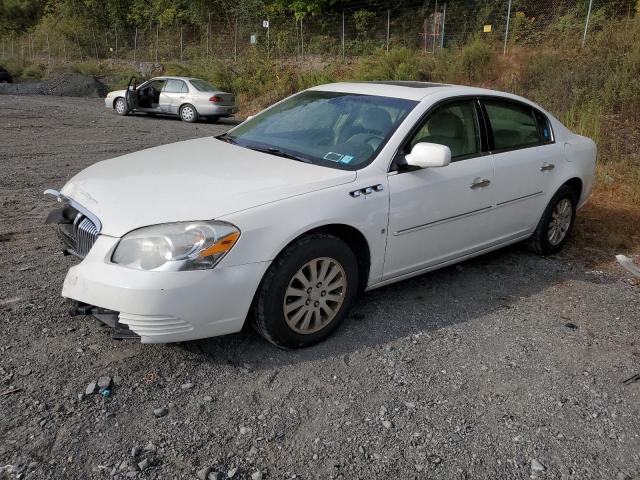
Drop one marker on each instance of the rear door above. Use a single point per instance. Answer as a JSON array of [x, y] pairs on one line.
[[525, 159], [173, 95]]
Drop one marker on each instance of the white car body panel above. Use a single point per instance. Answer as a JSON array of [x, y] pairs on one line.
[[165, 185], [418, 221]]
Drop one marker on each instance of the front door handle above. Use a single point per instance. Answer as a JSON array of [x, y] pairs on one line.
[[480, 183], [547, 166]]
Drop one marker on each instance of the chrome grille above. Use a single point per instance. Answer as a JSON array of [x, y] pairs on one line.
[[86, 234]]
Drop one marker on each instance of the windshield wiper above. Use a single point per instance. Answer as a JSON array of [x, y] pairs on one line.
[[225, 137], [280, 153]]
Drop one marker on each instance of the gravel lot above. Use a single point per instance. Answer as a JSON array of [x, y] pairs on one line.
[[507, 366]]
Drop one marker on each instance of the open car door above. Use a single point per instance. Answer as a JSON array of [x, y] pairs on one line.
[[131, 97]]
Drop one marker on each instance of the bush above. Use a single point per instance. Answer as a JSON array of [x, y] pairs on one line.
[[33, 72], [399, 64], [474, 59]]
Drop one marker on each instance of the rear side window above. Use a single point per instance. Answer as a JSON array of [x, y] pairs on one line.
[[175, 86], [514, 125]]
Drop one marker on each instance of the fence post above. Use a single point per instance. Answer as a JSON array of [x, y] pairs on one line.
[[342, 34], [388, 21], [235, 43], [181, 43], [301, 39], [48, 49], [95, 44], [424, 36], [444, 16], [209, 36], [157, 40], [135, 44], [506, 33], [586, 25], [435, 28]]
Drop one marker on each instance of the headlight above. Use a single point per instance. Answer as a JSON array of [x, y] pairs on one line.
[[176, 246]]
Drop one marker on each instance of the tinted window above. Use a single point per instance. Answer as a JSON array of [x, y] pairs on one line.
[[544, 127], [513, 125], [454, 125], [203, 86], [338, 130], [175, 86]]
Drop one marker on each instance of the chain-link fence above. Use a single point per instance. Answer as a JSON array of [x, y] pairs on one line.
[[356, 30]]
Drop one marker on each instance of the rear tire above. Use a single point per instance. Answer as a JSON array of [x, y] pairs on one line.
[[120, 106], [293, 307], [555, 225], [188, 113]]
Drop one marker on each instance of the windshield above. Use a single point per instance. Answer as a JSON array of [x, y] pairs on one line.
[[338, 130], [203, 86]]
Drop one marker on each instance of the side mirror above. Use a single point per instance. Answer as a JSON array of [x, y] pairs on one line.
[[429, 155]]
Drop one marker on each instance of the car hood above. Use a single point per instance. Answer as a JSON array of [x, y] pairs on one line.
[[197, 179], [117, 93]]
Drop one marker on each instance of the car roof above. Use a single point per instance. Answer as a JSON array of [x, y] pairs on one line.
[[165, 77], [406, 89]]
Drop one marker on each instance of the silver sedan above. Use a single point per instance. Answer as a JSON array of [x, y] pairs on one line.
[[189, 98]]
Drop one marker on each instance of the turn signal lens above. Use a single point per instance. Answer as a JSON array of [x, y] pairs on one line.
[[221, 246]]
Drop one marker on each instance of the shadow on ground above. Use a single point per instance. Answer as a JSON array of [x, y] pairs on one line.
[[462, 293]]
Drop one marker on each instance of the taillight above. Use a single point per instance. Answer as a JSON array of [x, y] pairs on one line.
[[216, 99]]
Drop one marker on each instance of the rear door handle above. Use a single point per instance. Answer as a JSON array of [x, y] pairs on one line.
[[480, 183], [547, 166]]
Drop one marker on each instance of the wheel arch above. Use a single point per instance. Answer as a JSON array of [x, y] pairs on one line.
[[353, 237], [113, 104], [576, 185]]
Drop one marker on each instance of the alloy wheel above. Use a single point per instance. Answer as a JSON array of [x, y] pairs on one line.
[[120, 106], [560, 221], [315, 295]]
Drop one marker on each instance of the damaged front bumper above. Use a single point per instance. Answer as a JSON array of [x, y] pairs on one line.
[[108, 317], [163, 307]]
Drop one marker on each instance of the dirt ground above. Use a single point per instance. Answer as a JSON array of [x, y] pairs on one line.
[[509, 366]]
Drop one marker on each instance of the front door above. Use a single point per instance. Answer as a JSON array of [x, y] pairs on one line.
[[438, 214]]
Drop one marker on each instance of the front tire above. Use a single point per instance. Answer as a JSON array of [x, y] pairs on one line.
[[553, 229], [188, 113], [120, 106], [307, 291]]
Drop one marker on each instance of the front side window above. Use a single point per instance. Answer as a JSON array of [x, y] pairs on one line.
[[333, 129], [175, 86], [454, 125], [513, 125]]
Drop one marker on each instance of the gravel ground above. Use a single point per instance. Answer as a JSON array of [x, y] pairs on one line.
[[507, 366]]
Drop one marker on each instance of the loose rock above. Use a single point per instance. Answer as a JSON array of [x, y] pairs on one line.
[[203, 474], [536, 466], [161, 412]]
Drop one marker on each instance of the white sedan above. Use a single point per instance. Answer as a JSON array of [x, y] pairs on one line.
[[188, 98], [338, 189]]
